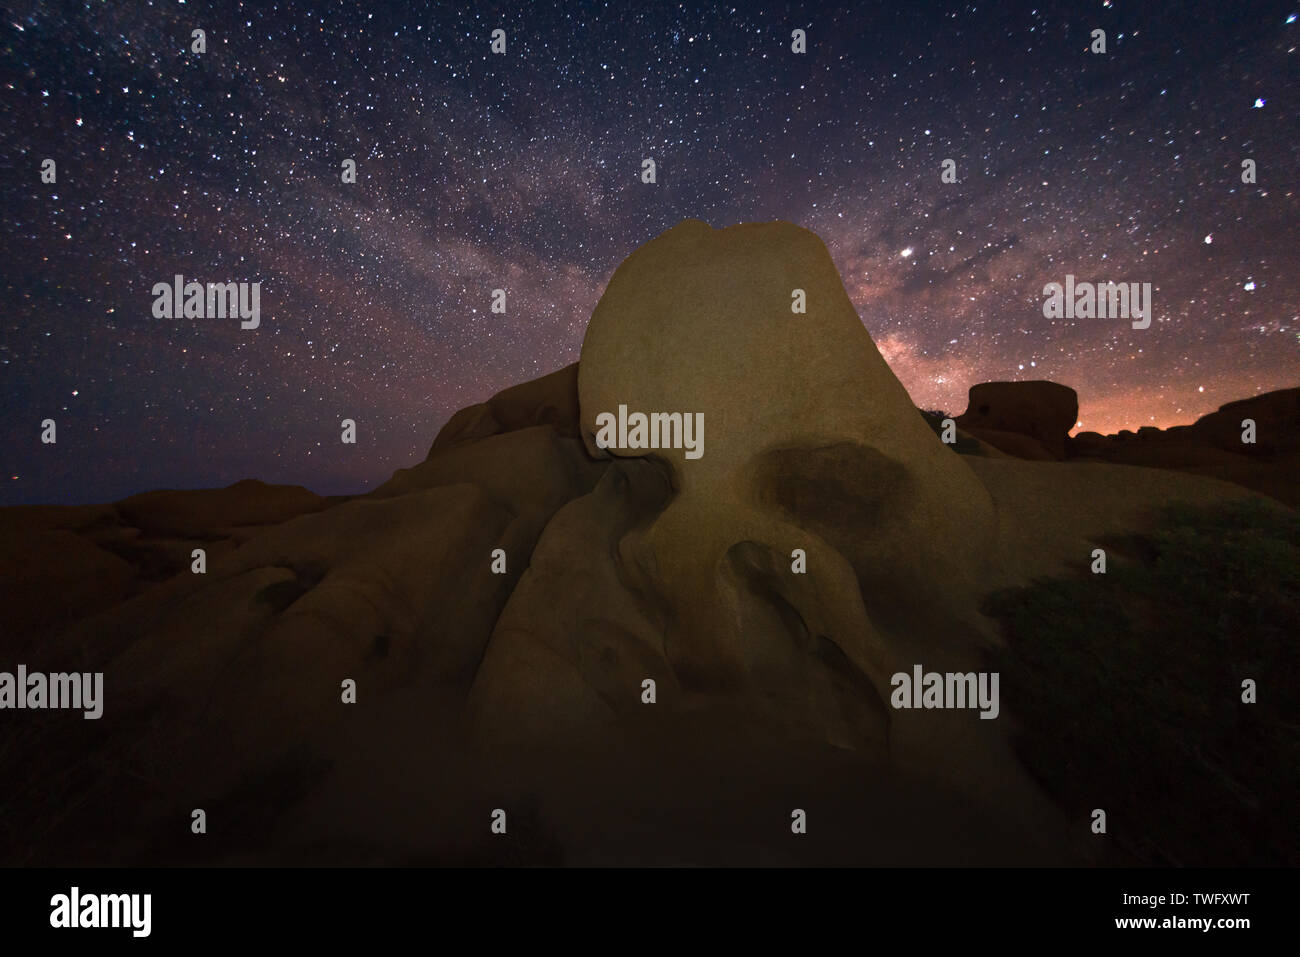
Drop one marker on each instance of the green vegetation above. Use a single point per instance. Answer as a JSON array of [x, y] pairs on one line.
[[1126, 687]]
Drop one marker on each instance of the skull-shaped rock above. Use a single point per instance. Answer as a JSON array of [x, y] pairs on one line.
[[802, 549]]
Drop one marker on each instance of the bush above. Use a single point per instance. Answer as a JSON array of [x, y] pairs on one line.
[[1127, 687]]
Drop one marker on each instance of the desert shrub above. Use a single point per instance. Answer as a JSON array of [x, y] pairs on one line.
[[1126, 688]]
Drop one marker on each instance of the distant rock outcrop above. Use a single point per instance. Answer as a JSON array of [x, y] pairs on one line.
[[1030, 420], [61, 563], [1277, 424], [1214, 445], [205, 512], [1043, 411]]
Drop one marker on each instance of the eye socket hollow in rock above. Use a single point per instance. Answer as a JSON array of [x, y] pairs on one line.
[[832, 490]]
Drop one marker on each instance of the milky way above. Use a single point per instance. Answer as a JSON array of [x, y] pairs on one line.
[[522, 171]]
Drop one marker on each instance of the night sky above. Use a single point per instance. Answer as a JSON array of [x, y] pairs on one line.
[[522, 171]]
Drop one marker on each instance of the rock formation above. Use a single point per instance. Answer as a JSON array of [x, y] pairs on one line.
[[769, 588], [1030, 420], [811, 443], [551, 400], [1005, 413], [1214, 445]]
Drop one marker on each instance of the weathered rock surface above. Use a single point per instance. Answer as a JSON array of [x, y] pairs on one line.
[[1277, 424], [825, 539], [827, 455], [1213, 445], [551, 400], [1015, 444], [1043, 411]]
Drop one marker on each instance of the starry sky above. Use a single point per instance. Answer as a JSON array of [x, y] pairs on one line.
[[521, 171]]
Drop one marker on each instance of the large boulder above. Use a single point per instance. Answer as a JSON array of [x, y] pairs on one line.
[[811, 447], [551, 400], [1277, 424], [1044, 411]]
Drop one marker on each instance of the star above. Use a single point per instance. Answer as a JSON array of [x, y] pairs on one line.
[[521, 171]]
